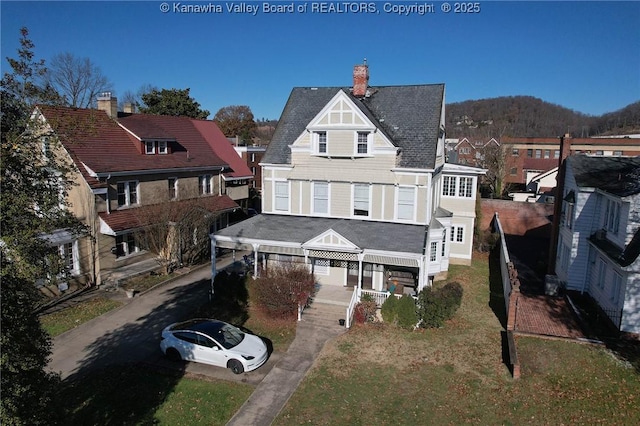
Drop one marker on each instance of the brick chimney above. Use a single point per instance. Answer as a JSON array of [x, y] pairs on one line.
[[565, 150], [108, 104], [360, 79]]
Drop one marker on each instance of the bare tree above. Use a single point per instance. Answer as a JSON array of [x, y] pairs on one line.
[[497, 162], [78, 80]]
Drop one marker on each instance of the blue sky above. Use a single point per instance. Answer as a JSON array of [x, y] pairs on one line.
[[581, 55]]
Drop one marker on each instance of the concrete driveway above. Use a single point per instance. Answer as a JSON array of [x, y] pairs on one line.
[[131, 333]]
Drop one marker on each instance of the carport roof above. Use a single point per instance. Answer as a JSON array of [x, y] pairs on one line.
[[383, 236]]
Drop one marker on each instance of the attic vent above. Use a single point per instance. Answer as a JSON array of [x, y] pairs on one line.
[[314, 88]]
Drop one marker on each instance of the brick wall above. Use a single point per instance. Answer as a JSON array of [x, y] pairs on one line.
[[518, 218]]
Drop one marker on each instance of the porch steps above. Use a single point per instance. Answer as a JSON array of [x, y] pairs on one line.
[[324, 315]]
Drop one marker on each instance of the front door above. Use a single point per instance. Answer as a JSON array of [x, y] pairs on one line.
[[367, 275]]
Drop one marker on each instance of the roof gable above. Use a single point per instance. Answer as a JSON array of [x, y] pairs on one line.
[[409, 116], [330, 240]]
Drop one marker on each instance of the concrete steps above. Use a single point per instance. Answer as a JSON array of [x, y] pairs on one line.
[[325, 315]]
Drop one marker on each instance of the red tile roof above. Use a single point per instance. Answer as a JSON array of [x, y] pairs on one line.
[[221, 146], [132, 218], [94, 139]]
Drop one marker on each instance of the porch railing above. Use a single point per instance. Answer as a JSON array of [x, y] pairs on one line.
[[355, 298]]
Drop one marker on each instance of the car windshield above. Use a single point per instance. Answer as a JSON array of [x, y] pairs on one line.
[[229, 336]]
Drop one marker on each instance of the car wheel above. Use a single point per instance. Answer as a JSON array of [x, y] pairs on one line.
[[173, 355], [235, 366]]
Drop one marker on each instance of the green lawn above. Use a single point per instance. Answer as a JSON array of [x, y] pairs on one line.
[[137, 396], [61, 321], [378, 374]]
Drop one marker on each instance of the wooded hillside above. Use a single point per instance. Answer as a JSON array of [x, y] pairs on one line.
[[526, 116]]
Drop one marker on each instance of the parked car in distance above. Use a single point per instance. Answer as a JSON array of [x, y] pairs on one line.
[[213, 342]]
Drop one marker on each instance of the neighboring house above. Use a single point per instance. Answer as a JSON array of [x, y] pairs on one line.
[[599, 234], [465, 151], [355, 185], [252, 156], [539, 155], [131, 172]]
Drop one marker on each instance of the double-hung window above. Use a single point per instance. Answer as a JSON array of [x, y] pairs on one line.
[[282, 196], [321, 197], [363, 143], [126, 245], [612, 216], [127, 193], [322, 142], [69, 254], [149, 147], [173, 188], [162, 147], [433, 255], [361, 200], [204, 182], [457, 234], [406, 202]]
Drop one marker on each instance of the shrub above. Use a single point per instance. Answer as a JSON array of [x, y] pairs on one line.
[[435, 306], [279, 292], [389, 309], [365, 310], [407, 316]]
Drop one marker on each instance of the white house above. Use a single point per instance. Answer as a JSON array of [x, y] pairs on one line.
[[355, 185], [599, 235]]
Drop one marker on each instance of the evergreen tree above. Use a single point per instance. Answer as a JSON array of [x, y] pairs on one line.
[[34, 185], [174, 102]]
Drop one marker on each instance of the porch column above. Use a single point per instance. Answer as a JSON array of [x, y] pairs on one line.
[[255, 259], [213, 266], [423, 269], [360, 257]]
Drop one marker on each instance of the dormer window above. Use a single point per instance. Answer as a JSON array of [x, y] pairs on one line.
[[153, 147], [363, 143]]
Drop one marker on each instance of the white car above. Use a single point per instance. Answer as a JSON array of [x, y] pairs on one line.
[[213, 342]]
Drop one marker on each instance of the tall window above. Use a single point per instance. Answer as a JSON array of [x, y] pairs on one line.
[[172, 183], [449, 186], [612, 216], [433, 256], [529, 153], [361, 200], [150, 147], [538, 153], [363, 144], [162, 147], [466, 187], [321, 197], [322, 142], [444, 244], [282, 196], [406, 200], [204, 182], [127, 193], [69, 254], [547, 153]]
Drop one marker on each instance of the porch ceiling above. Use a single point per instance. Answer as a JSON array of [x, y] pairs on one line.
[[391, 260]]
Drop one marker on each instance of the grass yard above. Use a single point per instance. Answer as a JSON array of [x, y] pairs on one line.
[[378, 374], [61, 321]]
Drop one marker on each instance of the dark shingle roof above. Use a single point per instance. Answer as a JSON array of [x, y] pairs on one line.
[[408, 115], [619, 176], [394, 237]]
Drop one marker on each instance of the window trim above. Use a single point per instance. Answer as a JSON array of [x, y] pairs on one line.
[[318, 143], [283, 184], [314, 198], [149, 147], [457, 234], [205, 179], [127, 193], [163, 147], [173, 188], [366, 144], [433, 252], [353, 200], [398, 203]]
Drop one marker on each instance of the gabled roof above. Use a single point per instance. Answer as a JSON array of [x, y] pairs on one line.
[[408, 115], [619, 176], [98, 143], [223, 149]]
